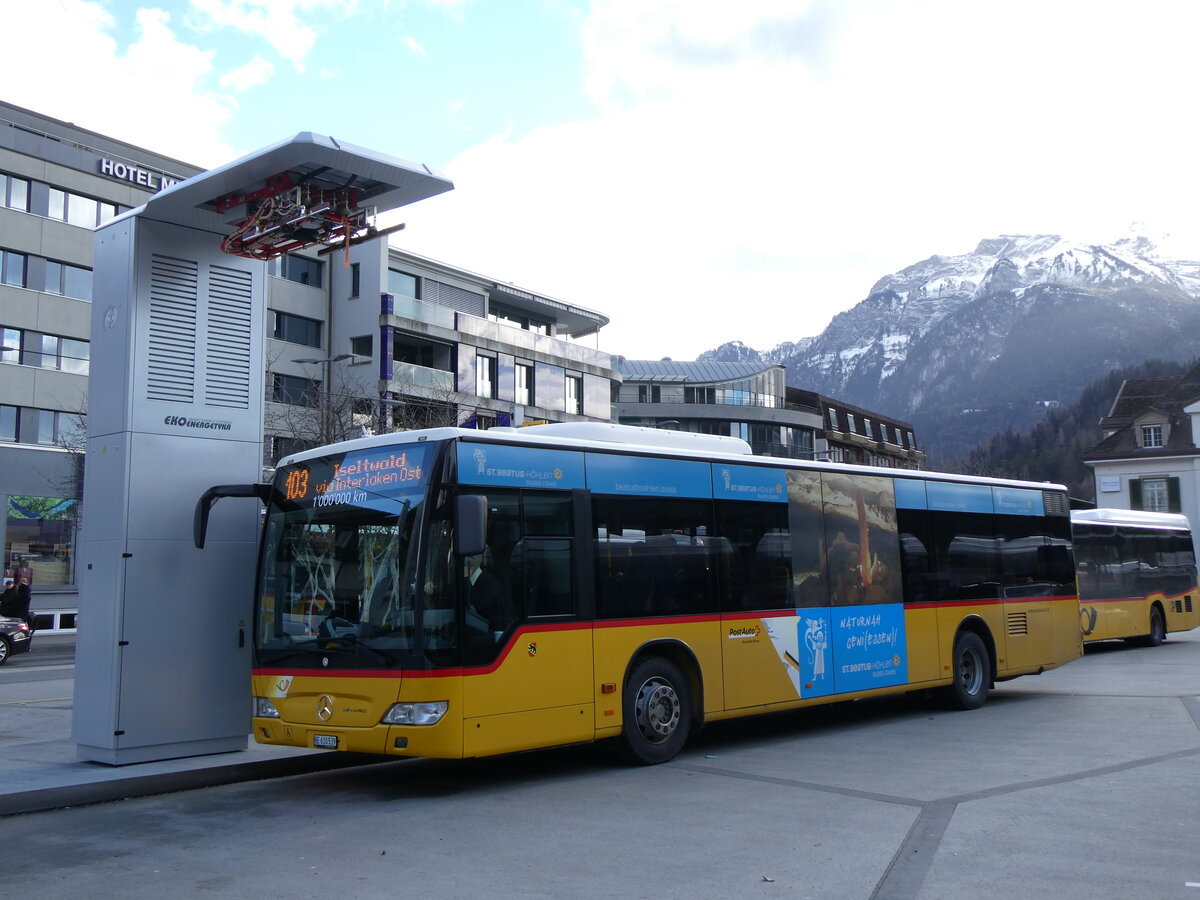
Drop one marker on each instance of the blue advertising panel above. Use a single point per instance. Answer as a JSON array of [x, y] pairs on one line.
[[522, 467], [870, 649], [864, 647], [610, 473], [954, 497], [749, 483], [910, 494], [1017, 501]]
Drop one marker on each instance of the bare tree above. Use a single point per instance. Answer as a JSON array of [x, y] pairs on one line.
[[341, 409]]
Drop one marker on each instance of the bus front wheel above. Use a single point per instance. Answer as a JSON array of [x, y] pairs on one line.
[[972, 672], [657, 708]]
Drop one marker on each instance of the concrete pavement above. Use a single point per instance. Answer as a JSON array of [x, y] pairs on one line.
[[1079, 783], [38, 765]]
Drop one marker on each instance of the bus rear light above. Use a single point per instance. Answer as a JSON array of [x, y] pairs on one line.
[[429, 713]]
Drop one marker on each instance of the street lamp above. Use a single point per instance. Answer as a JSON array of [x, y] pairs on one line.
[[326, 412]]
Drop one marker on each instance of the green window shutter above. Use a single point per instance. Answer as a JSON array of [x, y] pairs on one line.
[[1173, 499], [1135, 493]]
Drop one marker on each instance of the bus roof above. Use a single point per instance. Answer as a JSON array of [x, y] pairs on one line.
[[1135, 518], [608, 436]]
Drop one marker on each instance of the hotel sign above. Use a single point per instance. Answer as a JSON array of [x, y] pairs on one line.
[[153, 181]]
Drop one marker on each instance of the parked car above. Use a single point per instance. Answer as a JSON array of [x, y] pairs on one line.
[[15, 637]]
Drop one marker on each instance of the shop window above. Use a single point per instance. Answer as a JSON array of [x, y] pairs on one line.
[[39, 539]]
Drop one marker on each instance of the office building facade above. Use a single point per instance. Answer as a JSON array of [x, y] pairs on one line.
[[376, 339]]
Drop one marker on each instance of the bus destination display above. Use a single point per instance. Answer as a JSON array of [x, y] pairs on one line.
[[356, 478]]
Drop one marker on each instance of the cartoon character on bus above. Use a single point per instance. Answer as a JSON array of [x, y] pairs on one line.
[[816, 642]]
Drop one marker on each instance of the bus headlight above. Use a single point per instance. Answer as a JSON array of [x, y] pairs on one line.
[[265, 709], [416, 713]]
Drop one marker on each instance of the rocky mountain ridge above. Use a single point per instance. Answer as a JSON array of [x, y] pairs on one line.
[[967, 346]]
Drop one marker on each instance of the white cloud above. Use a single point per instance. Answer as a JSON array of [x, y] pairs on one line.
[[151, 94], [278, 22], [412, 44], [759, 165], [252, 74]]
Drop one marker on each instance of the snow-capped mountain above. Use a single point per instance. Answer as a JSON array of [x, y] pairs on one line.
[[966, 346]]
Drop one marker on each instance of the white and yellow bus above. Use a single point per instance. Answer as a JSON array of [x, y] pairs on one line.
[[1137, 574], [458, 593]]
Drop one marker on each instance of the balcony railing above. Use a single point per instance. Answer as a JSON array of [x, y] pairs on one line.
[[404, 374], [530, 341], [410, 308]]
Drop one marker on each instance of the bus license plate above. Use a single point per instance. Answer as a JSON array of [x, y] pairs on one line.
[[328, 741]]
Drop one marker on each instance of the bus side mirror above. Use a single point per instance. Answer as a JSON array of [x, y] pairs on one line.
[[470, 524]]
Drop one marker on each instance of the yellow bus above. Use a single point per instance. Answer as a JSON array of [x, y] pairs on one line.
[[1137, 575], [458, 593]]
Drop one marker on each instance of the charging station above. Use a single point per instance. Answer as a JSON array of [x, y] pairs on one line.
[[175, 406]]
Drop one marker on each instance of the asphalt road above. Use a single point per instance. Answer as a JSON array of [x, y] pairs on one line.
[[1080, 783]]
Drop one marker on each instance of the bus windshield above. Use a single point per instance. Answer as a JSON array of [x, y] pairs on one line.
[[339, 555]]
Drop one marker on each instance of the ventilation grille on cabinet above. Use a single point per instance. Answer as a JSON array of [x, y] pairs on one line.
[[171, 369], [227, 378]]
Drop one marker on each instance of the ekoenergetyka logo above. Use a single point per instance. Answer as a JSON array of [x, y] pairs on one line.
[[197, 424]]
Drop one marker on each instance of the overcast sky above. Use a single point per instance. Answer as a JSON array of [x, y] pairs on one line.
[[698, 171]]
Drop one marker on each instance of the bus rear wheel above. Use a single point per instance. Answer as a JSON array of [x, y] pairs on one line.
[[1158, 628], [972, 672], [657, 709]]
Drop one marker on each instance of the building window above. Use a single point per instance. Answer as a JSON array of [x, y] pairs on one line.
[[831, 415], [303, 270], [524, 384], [362, 346], [402, 284], [1155, 494], [505, 316], [297, 330], [45, 351], [40, 536], [355, 279], [68, 280], [484, 421], [12, 268], [649, 393], [575, 394], [866, 426], [485, 376], [14, 192], [8, 423], [1152, 436], [295, 391], [10, 345], [74, 356]]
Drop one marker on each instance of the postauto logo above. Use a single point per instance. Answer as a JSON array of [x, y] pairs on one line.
[[197, 424]]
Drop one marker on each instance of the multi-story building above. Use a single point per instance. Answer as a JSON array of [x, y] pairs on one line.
[[745, 400], [382, 339], [1150, 455], [855, 435], [57, 183], [751, 401], [386, 339]]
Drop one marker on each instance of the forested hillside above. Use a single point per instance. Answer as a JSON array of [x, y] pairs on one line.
[[1052, 449]]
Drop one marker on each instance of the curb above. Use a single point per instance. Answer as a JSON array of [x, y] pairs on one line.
[[47, 799]]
